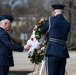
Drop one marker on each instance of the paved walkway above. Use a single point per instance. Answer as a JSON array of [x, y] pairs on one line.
[[71, 63], [24, 67]]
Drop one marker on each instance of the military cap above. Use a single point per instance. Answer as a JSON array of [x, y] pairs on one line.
[[58, 6], [9, 17]]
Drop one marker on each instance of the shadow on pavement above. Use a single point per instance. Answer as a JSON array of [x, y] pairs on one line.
[[19, 72]]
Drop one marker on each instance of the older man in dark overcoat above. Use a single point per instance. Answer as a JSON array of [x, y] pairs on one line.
[[6, 45]]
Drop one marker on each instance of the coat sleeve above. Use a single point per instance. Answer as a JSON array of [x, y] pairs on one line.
[[5, 38], [45, 27]]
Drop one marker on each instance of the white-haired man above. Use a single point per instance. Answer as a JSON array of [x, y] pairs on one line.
[[6, 45]]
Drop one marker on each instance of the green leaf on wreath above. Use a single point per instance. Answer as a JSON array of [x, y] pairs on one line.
[[38, 29]]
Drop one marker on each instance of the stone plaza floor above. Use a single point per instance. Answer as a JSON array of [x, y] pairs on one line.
[[24, 67]]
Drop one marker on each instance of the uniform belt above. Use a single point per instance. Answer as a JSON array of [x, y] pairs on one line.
[[57, 40]]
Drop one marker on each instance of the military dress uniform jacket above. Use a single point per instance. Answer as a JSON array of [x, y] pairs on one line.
[[6, 47], [57, 35]]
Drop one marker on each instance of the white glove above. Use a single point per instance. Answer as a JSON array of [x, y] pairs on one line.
[[31, 51], [30, 42]]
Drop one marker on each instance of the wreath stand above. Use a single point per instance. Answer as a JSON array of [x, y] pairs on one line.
[[41, 69]]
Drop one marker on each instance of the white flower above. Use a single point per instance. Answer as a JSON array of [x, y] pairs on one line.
[[33, 36], [42, 19], [42, 48], [33, 32], [35, 26]]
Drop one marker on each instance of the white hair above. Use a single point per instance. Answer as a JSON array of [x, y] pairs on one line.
[[58, 11], [5, 20]]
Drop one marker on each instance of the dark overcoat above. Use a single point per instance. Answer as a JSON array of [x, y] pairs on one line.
[[6, 47]]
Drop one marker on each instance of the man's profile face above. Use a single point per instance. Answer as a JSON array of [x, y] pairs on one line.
[[7, 25]]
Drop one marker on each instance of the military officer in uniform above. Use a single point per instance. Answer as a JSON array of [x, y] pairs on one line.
[[6, 45], [56, 50]]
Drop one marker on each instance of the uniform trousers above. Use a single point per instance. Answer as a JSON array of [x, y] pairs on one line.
[[4, 70], [55, 65]]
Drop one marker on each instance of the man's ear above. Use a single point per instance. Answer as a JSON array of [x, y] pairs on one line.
[[5, 23], [54, 12]]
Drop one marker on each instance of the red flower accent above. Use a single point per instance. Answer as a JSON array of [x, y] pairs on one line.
[[40, 51], [32, 39], [34, 28], [43, 45], [42, 21]]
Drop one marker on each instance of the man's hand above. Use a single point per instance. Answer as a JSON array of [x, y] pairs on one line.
[[26, 47]]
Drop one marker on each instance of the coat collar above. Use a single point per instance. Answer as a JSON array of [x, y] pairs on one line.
[[60, 16]]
